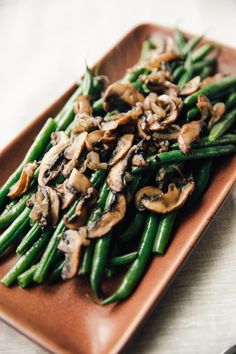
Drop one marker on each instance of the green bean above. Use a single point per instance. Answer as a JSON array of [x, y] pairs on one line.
[[179, 40], [26, 260], [201, 153], [204, 142], [134, 227], [26, 278], [55, 275], [100, 255], [33, 153], [187, 75], [163, 232], [7, 218], [14, 230], [201, 179], [201, 52], [99, 262], [87, 85], [51, 250], [27, 241], [231, 101], [190, 45], [223, 125], [178, 73], [86, 261], [98, 106], [217, 88], [124, 259], [135, 272], [197, 67], [192, 114], [205, 72]]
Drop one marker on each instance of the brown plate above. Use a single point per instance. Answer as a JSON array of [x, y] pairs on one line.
[[62, 318]]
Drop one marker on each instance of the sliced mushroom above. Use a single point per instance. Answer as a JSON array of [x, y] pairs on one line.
[[66, 196], [78, 183], [141, 128], [121, 96], [124, 144], [218, 111], [59, 137], [45, 206], [164, 57], [125, 118], [154, 199], [97, 137], [205, 107], [71, 244], [115, 178], [75, 149], [139, 161], [23, 184], [54, 205], [93, 162], [51, 164], [81, 212], [83, 123], [68, 167], [109, 218], [191, 86], [83, 105], [188, 134], [170, 107]]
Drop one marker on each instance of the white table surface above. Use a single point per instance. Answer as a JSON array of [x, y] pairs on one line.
[[43, 48]]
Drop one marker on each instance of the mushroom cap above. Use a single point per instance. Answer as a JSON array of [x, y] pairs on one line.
[[123, 145], [109, 218], [121, 95], [155, 200]]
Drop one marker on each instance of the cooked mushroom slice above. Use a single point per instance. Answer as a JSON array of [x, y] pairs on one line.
[[54, 205], [68, 167], [125, 118], [83, 123], [65, 195], [205, 107], [218, 111], [141, 126], [109, 218], [98, 137], [115, 178], [124, 144], [71, 244], [121, 96], [191, 86], [51, 165], [163, 57], [170, 107], [78, 182], [93, 162], [23, 184], [188, 134], [59, 137], [41, 207], [75, 149], [154, 199], [45, 206], [81, 212], [139, 161], [83, 105]]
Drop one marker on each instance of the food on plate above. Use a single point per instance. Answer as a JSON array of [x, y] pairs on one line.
[[101, 187]]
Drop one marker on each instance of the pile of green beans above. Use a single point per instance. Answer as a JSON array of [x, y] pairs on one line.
[[130, 246]]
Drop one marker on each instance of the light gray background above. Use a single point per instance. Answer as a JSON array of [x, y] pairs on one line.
[[43, 48]]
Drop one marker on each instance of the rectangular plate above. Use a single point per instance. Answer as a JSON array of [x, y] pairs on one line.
[[62, 318]]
